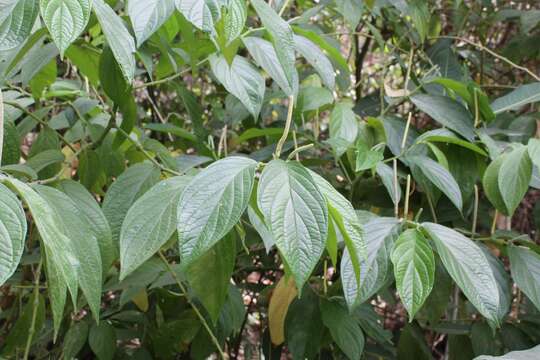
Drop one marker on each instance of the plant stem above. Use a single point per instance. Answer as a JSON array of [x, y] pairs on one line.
[[197, 312], [407, 191], [1, 125], [41, 121], [35, 306], [298, 150], [168, 78], [146, 154], [475, 211], [395, 179], [283, 138], [491, 52]]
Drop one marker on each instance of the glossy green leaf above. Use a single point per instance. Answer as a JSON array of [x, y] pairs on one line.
[[17, 20], [209, 276], [525, 268], [99, 225], [74, 225], [282, 38], [414, 269], [118, 37], [12, 233], [297, 215], [344, 329], [265, 56], [343, 127], [316, 58], [447, 112], [379, 235], [129, 186], [147, 16], [242, 80], [523, 95], [149, 223], [514, 177], [342, 213], [440, 177], [102, 340], [65, 19], [446, 136], [256, 219], [469, 267], [211, 204]]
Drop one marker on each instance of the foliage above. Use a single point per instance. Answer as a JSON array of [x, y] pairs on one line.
[[182, 178]]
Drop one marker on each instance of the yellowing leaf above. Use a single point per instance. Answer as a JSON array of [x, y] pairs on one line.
[[282, 297], [141, 300]]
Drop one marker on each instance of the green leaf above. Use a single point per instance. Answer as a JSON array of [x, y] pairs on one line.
[[201, 13], [11, 148], [514, 177], [333, 52], [118, 37], [297, 215], [62, 264], [129, 186], [282, 38], [242, 80], [386, 173], [265, 56], [77, 228], [209, 276], [18, 335], [75, 339], [12, 233], [351, 11], [343, 127], [90, 209], [414, 269], [529, 354], [440, 177], [314, 55], [17, 19], [490, 183], [503, 284], [469, 267], [367, 158], [150, 223], [169, 128], [447, 112], [65, 19], [343, 215], [446, 136], [534, 151], [303, 326], [525, 268], [235, 19], [256, 219], [86, 59], [45, 158], [379, 235], [255, 132], [102, 340], [523, 95], [147, 16], [211, 204], [344, 329]]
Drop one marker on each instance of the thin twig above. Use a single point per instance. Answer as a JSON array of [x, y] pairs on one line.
[[40, 121], [1, 125], [35, 306], [491, 52], [168, 78], [395, 180], [283, 138], [475, 211], [197, 312], [407, 192], [146, 154], [298, 150]]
